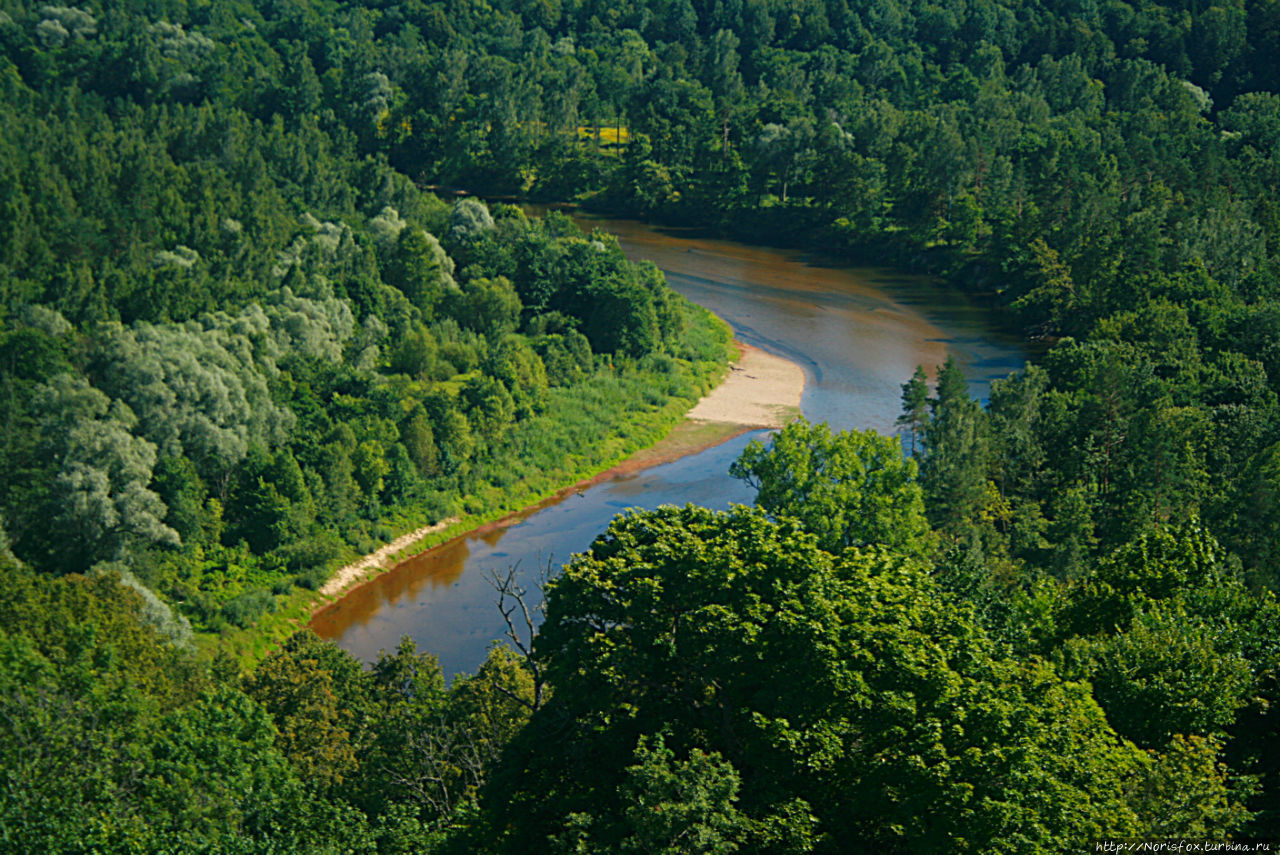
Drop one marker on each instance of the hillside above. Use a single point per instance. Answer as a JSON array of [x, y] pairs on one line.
[[241, 343]]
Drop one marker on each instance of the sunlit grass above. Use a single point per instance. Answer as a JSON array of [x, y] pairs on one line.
[[609, 134]]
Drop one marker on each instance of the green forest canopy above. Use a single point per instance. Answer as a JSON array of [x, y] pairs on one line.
[[240, 343]]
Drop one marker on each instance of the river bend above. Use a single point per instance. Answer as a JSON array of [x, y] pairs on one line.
[[858, 333]]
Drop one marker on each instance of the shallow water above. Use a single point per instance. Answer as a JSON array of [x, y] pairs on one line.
[[858, 333]]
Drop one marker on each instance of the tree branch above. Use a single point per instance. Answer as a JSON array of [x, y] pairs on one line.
[[513, 600]]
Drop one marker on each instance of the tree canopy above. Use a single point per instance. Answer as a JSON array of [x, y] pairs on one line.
[[241, 343]]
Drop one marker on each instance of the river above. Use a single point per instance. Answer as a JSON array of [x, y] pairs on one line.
[[858, 333]]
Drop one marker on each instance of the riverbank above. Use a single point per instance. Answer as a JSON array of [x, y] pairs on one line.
[[596, 422], [760, 391], [353, 573]]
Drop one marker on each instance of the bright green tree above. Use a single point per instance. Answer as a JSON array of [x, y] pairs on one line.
[[695, 624], [851, 488]]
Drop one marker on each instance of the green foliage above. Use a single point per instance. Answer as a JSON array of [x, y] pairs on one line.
[[915, 401], [1166, 674], [214, 769], [468, 220], [675, 807], [114, 741], [231, 348], [420, 269], [680, 806], [244, 610], [100, 501], [490, 307], [276, 351], [849, 489], [1193, 785], [1168, 636], [153, 611], [317, 698], [693, 624], [957, 445]]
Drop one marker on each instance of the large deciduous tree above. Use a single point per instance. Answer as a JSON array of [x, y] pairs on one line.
[[853, 700], [101, 500]]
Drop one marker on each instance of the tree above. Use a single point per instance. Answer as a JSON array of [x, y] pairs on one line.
[[694, 624], [101, 499], [112, 739], [1166, 674], [199, 391], [191, 512], [680, 806], [215, 771], [784, 150], [421, 270], [849, 489], [317, 698], [489, 407], [469, 220], [725, 79], [431, 750], [417, 354], [420, 442], [915, 403], [1194, 791], [1052, 298], [954, 469], [1170, 637], [489, 306], [676, 806]]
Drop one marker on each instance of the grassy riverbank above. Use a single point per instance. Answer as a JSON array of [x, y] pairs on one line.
[[584, 431]]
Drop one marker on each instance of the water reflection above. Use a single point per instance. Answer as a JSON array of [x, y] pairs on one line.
[[451, 612], [858, 334]]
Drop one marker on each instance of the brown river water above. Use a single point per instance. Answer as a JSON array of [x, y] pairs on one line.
[[858, 333]]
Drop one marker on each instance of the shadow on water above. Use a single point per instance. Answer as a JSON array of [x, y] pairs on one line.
[[858, 333]]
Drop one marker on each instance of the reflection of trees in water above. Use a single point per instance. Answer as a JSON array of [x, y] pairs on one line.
[[440, 567], [876, 326]]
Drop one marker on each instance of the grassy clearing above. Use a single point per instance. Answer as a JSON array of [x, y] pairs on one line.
[[610, 135]]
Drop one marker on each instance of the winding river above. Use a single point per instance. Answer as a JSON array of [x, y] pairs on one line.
[[857, 332]]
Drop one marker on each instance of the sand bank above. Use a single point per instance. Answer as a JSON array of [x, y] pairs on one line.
[[379, 560], [761, 391]]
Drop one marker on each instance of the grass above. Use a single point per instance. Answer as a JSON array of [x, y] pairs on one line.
[[561, 448], [609, 134], [686, 438], [250, 645]]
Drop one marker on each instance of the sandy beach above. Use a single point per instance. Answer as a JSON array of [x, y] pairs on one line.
[[376, 562], [761, 391]]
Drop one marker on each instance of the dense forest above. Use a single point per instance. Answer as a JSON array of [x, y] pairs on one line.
[[240, 342], [237, 351]]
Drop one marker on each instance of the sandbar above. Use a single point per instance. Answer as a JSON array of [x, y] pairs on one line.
[[761, 391]]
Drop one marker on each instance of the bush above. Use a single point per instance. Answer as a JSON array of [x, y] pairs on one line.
[[319, 550], [312, 578], [245, 609], [310, 560]]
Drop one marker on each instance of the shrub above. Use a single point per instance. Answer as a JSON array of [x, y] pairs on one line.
[[245, 609]]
